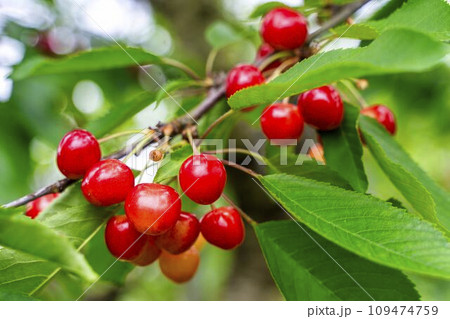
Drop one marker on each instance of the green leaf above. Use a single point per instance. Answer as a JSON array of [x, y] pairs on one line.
[[364, 225], [11, 296], [119, 114], [264, 8], [19, 232], [71, 216], [300, 265], [104, 263], [174, 86], [343, 150], [414, 52], [171, 164], [431, 201], [308, 169], [94, 60], [431, 16], [220, 34]]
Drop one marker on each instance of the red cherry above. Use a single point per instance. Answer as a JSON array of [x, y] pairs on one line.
[[122, 239], [180, 268], [265, 50], [77, 152], [149, 253], [202, 178], [181, 236], [281, 121], [39, 204], [284, 29], [152, 208], [383, 115], [107, 182], [241, 77], [322, 108], [223, 227]]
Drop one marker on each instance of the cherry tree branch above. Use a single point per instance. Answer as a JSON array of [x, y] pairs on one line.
[[215, 93]]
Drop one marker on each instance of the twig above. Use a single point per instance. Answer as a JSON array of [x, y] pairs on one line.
[[247, 218], [241, 168], [340, 17]]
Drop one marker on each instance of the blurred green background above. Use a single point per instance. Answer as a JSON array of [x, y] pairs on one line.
[[36, 113]]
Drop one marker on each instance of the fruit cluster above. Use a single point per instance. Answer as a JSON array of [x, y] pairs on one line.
[[321, 108], [154, 226]]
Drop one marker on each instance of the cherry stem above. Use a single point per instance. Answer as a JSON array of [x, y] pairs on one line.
[[362, 102], [246, 217], [210, 61], [120, 134], [182, 67], [272, 58], [241, 168], [191, 141], [214, 124], [148, 137], [283, 66]]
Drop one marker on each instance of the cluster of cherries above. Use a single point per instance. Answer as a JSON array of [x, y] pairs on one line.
[[321, 108], [154, 226]]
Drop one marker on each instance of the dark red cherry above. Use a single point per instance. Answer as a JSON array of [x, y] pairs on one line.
[[223, 227], [383, 115], [264, 51], [202, 178], [39, 204], [241, 77], [149, 253], [107, 182], [281, 121], [181, 236], [122, 239], [182, 267], [322, 108], [284, 29], [153, 208], [77, 152]]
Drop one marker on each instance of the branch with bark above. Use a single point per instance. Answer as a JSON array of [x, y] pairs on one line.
[[215, 93]]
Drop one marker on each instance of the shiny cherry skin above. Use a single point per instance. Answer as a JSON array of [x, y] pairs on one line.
[[122, 239], [39, 204], [281, 121], [284, 29], [223, 227], [383, 115], [107, 182], [202, 178], [180, 268], [265, 50], [153, 208], [241, 77], [149, 253], [77, 152], [322, 108], [180, 237]]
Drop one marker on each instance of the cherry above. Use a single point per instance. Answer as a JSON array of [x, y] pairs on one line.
[[383, 115], [223, 227], [77, 152], [152, 208], [180, 268], [265, 50], [322, 108], [282, 121], [284, 29], [122, 239], [149, 253], [316, 152], [107, 182], [202, 178], [241, 77], [39, 204], [181, 236]]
